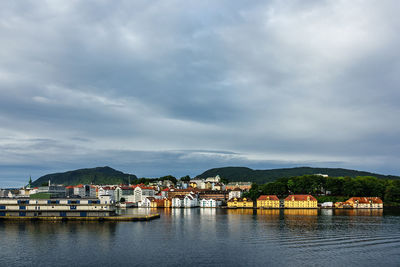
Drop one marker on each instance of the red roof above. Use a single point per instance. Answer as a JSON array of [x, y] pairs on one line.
[[366, 200], [300, 198], [268, 197]]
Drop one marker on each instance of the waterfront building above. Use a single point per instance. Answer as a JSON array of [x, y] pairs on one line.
[[365, 203], [268, 201], [235, 193], [300, 201], [244, 186], [240, 203], [327, 205], [167, 203], [214, 194], [147, 202], [106, 191], [175, 192], [58, 207], [210, 203], [190, 201], [178, 201]]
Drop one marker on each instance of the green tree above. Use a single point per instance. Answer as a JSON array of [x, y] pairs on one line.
[[185, 178]]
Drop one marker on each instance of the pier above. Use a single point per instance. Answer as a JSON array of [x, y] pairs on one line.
[[119, 218]]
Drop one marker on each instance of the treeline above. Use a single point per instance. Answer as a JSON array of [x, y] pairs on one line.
[[330, 188]]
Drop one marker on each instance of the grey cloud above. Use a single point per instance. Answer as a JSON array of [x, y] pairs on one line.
[[299, 82]]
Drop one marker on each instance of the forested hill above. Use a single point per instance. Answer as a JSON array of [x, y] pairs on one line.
[[99, 175], [234, 174]]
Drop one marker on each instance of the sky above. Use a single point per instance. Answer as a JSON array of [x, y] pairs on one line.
[[178, 87]]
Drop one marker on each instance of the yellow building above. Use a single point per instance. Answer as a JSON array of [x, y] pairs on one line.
[[301, 202], [167, 203], [268, 202], [240, 203]]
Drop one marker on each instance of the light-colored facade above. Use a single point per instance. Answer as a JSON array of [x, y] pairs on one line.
[[301, 201], [235, 193], [178, 201], [104, 206], [210, 203], [268, 202], [244, 186], [240, 203], [190, 201], [361, 203]]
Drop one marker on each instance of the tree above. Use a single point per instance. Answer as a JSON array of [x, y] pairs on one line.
[[185, 178], [168, 177]]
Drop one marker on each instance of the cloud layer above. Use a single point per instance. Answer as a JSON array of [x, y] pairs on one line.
[[177, 87]]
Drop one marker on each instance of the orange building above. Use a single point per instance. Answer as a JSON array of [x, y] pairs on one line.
[[362, 203]]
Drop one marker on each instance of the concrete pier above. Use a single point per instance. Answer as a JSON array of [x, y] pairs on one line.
[[116, 218]]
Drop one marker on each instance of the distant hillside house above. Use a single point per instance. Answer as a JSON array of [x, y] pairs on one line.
[[300, 201], [241, 185], [268, 201]]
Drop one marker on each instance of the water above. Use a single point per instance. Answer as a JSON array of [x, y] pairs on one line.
[[210, 237]]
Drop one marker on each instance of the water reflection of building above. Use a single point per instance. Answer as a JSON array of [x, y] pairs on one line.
[[359, 212], [327, 212], [300, 212], [240, 211], [207, 212], [269, 212], [301, 218]]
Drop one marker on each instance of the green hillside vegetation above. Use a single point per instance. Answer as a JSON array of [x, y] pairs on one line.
[[340, 188], [235, 174], [99, 175]]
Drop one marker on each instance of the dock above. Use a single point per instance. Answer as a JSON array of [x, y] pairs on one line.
[[117, 218]]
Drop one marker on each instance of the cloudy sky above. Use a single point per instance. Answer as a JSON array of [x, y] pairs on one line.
[[178, 87]]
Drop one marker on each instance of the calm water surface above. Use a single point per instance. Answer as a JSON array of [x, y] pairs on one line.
[[210, 237]]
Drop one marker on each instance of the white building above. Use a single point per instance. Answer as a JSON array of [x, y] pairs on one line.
[[190, 201], [178, 201], [210, 203], [215, 179], [85, 191], [235, 193], [106, 191]]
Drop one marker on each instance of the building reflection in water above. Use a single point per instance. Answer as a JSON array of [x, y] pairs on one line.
[[273, 213], [359, 212], [60, 232], [241, 211], [327, 212], [305, 219]]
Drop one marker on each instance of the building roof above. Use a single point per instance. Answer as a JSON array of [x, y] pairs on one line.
[[240, 199], [238, 183], [268, 197], [300, 198], [366, 200]]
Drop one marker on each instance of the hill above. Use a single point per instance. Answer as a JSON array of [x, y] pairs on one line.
[[99, 175], [234, 174]]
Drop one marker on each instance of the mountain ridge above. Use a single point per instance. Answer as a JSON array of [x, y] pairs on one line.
[[97, 175], [234, 174]]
